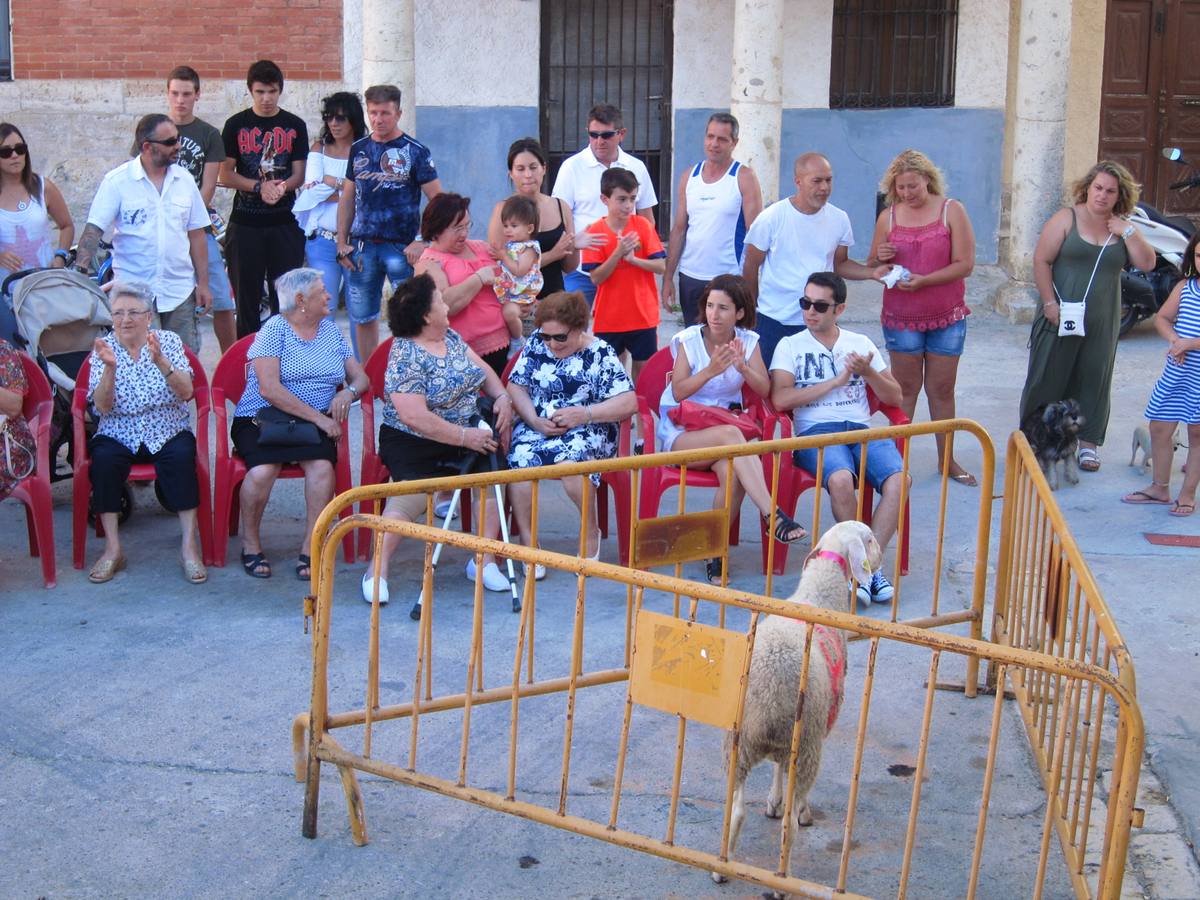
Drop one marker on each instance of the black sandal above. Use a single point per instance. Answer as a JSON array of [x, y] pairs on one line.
[[254, 564], [304, 567], [787, 530], [712, 570]]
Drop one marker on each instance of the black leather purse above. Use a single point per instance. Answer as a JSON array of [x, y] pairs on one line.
[[277, 428]]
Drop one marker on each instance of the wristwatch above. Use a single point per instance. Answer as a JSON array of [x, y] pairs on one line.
[[169, 372], [353, 390], [257, 189]]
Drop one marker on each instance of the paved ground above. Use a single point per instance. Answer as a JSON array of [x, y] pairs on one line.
[[147, 720]]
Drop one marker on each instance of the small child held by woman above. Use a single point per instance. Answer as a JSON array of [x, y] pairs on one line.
[[1176, 396], [519, 279]]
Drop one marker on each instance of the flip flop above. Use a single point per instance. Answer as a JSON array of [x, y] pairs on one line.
[[1141, 498], [965, 478], [1089, 460], [1181, 509], [303, 567]]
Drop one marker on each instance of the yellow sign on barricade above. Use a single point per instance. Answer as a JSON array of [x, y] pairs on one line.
[[673, 671]]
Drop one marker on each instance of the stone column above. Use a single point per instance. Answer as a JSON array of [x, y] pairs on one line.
[[389, 52], [1035, 139], [756, 87]]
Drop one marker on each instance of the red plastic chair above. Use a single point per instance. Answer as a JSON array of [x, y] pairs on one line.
[[34, 491], [794, 481], [618, 483], [228, 383], [82, 487], [656, 481], [371, 469]]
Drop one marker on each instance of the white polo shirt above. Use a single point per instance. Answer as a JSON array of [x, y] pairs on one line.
[[150, 240], [578, 184]]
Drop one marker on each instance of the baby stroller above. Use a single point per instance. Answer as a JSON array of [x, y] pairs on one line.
[[56, 316]]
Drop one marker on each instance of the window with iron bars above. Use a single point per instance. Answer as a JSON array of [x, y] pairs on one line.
[[893, 53]]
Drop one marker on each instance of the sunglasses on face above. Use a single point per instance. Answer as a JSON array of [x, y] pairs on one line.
[[336, 118], [17, 149], [820, 306], [557, 338], [602, 135], [164, 142]]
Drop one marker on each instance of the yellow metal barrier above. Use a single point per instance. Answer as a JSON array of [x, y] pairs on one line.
[[1062, 686], [1047, 601]]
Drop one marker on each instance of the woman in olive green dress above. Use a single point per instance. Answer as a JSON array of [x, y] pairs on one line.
[[1093, 233]]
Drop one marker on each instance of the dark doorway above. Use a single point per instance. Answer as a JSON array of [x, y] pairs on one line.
[[1151, 95], [609, 51]]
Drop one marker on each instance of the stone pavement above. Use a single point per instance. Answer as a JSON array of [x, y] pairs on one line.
[[146, 744]]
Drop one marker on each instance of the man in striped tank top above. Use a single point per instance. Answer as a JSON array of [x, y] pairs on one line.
[[718, 199]]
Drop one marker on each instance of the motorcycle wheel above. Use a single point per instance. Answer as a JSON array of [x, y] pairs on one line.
[[1129, 318]]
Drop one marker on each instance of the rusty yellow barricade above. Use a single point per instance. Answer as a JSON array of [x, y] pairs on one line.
[[648, 689]]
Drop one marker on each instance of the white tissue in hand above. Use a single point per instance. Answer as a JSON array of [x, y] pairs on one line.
[[484, 426], [896, 275]]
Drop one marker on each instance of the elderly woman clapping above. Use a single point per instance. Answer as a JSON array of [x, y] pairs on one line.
[[570, 390], [431, 421], [302, 368], [140, 382]]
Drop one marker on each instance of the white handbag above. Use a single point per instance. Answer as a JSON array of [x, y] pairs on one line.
[[1071, 313]]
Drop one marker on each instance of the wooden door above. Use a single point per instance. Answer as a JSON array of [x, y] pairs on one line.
[[609, 51], [1151, 94]]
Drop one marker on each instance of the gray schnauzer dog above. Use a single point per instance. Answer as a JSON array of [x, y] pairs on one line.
[[1053, 433]]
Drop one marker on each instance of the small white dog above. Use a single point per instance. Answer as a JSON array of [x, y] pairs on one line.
[[848, 549], [1141, 441]]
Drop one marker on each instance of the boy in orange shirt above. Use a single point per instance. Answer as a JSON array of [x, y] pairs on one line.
[[622, 264]]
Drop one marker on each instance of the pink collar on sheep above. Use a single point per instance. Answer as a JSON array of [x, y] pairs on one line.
[[836, 557]]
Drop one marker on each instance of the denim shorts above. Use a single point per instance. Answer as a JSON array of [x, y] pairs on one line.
[[218, 278], [946, 341], [375, 260], [883, 459]]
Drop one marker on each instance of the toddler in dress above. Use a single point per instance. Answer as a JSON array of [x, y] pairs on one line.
[[519, 279]]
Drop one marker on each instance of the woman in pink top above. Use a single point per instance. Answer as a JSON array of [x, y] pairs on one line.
[[463, 271], [924, 315]]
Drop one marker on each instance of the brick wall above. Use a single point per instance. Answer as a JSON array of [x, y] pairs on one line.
[[132, 39]]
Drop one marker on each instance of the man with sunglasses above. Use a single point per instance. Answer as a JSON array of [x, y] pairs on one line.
[[578, 183], [379, 217], [158, 219], [822, 375]]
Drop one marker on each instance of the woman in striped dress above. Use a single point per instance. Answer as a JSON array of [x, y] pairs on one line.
[[1176, 397]]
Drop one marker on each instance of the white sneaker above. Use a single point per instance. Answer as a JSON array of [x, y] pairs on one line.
[[539, 571], [368, 588], [493, 580]]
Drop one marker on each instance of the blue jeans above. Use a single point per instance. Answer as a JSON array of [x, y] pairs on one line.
[[372, 262], [770, 333], [218, 278], [582, 282], [321, 254], [883, 459]]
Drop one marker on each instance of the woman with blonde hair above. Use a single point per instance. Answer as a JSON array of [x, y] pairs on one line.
[[1080, 254], [924, 313]]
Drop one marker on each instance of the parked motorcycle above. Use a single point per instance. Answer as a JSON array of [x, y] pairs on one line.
[[1142, 293]]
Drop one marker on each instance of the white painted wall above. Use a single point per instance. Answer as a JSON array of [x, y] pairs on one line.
[[478, 54]]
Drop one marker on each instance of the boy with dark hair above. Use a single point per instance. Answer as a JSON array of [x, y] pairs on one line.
[[201, 152], [266, 149], [622, 263]]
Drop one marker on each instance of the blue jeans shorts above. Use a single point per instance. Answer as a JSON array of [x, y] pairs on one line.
[[883, 459], [579, 280], [946, 341], [372, 262], [218, 278]]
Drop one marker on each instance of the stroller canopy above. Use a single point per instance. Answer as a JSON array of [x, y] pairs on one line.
[[60, 311]]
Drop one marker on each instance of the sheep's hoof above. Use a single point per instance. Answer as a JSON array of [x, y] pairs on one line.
[[718, 878], [804, 816], [774, 809]]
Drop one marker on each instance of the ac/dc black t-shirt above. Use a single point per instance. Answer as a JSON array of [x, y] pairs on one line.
[[264, 149]]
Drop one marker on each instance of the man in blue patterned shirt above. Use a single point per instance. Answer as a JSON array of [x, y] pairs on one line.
[[378, 221]]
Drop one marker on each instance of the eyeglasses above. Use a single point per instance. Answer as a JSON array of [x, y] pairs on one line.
[[18, 149], [602, 135], [166, 142], [336, 118], [819, 305], [557, 338], [129, 313]]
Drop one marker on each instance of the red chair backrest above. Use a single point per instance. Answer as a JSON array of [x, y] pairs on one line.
[[229, 378], [37, 392], [508, 367], [376, 369], [656, 374]]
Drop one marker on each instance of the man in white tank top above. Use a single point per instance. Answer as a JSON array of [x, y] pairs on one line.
[[718, 200]]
